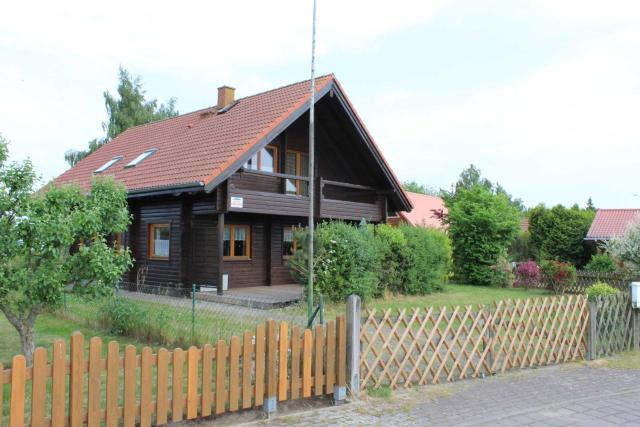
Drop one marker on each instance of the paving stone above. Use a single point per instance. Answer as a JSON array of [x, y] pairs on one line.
[[574, 394]]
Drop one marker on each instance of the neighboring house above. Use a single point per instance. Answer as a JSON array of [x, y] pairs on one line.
[[214, 193], [609, 223], [524, 224], [427, 211]]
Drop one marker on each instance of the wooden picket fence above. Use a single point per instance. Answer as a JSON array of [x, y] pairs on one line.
[[156, 388], [613, 325], [401, 348]]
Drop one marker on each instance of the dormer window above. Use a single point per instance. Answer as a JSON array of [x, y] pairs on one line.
[[140, 158], [107, 165]]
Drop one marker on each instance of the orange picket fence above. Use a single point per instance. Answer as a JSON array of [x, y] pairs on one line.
[[105, 387]]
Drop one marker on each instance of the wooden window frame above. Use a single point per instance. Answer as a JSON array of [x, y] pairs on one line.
[[295, 242], [232, 256], [152, 228], [276, 159], [298, 170]]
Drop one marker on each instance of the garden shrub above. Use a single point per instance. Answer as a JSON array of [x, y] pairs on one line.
[[560, 275], [428, 261], [346, 261], [120, 316], [601, 263], [599, 289], [391, 245], [527, 274], [503, 273]]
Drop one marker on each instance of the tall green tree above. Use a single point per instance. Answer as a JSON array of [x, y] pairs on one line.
[[129, 108], [52, 239], [471, 177], [415, 187], [482, 224], [558, 233]]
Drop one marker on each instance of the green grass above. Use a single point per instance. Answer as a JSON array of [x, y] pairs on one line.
[[382, 392], [452, 295]]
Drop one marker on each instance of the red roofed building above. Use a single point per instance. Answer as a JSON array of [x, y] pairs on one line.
[[427, 211], [609, 223], [214, 193]]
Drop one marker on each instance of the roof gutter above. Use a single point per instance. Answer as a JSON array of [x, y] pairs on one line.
[[182, 188]]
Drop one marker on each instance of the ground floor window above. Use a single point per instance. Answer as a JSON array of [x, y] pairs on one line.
[[237, 241], [159, 240], [289, 243], [118, 242]]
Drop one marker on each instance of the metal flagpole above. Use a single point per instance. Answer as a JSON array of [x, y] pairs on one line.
[[311, 165]]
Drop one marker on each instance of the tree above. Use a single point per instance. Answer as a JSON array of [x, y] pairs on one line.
[[52, 239], [590, 205], [627, 247], [471, 177], [482, 224], [558, 233], [414, 187], [130, 108]]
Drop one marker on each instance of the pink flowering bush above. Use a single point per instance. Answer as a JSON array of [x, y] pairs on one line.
[[527, 274]]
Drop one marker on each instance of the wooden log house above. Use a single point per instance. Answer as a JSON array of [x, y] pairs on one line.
[[214, 193]]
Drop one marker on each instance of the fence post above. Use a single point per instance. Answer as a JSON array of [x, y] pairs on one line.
[[353, 344], [592, 337], [634, 288]]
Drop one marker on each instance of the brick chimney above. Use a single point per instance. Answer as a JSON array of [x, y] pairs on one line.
[[226, 95]]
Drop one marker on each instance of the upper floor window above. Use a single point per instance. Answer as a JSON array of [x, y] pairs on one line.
[[140, 158], [297, 163], [159, 240], [265, 160], [237, 241], [108, 164]]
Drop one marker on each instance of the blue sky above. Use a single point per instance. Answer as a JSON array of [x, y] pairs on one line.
[[542, 95]]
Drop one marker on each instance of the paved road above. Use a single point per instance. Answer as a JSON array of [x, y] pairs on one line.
[[572, 394]]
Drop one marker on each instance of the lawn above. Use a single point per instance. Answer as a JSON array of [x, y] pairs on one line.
[[452, 295], [50, 327]]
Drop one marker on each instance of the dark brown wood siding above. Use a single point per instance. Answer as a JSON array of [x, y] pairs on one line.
[[157, 212], [270, 203], [279, 268], [204, 251]]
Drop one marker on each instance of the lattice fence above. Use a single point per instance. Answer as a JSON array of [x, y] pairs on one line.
[[584, 279], [614, 330], [401, 348]]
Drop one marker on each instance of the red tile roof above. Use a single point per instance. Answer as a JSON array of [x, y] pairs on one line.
[[194, 148], [610, 223], [524, 224], [427, 211]]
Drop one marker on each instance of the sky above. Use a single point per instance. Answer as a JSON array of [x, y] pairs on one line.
[[542, 95]]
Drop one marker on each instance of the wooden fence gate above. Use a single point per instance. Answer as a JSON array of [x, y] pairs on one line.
[[612, 325], [150, 388], [401, 348]]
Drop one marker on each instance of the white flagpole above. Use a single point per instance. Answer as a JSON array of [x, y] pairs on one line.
[[311, 164]]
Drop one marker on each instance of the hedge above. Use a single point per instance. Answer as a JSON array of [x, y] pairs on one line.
[[372, 261]]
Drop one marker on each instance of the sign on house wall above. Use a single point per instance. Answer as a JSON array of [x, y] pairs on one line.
[[237, 202]]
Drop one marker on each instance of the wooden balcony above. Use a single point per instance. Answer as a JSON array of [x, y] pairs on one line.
[[264, 192]]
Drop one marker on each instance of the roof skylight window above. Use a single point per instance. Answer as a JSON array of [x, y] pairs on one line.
[[107, 165], [141, 157]]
